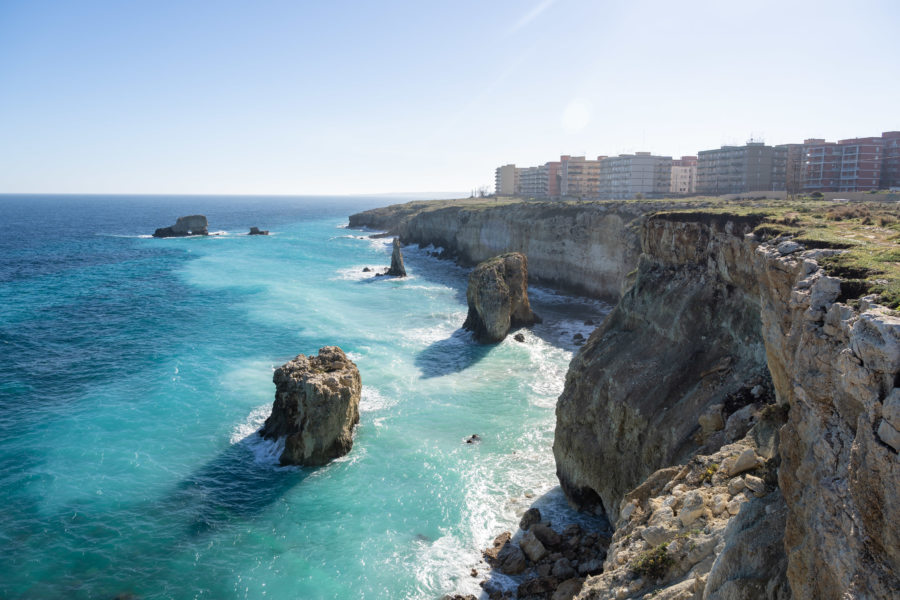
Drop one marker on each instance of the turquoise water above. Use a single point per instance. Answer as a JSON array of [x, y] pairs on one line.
[[134, 373]]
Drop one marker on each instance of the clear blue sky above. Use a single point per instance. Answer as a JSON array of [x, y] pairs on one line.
[[308, 97]]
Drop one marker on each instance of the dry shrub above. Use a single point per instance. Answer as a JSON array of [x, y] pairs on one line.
[[849, 211]]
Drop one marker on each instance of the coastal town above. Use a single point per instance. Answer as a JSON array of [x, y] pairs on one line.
[[851, 165]]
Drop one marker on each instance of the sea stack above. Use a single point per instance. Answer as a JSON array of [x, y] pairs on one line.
[[258, 231], [184, 226], [397, 269], [498, 297], [316, 406]]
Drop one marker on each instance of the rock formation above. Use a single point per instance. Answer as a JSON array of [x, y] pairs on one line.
[[671, 418], [498, 297], [184, 226], [715, 319], [258, 231], [316, 406], [397, 269], [584, 247], [685, 337]]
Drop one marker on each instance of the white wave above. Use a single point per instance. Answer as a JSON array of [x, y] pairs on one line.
[[372, 400]]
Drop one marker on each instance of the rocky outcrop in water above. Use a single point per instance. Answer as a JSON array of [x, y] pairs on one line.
[[498, 297], [397, 268], [258, 231], [184, 226], [316, 406]]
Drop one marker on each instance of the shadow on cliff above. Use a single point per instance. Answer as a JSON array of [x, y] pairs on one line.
[[451, 355]]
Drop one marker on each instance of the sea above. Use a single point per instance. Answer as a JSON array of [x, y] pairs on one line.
[[135, 373]]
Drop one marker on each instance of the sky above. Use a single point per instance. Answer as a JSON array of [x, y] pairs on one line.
[[339, 97]]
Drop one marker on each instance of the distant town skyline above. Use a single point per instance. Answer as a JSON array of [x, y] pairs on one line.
[[352, 98]]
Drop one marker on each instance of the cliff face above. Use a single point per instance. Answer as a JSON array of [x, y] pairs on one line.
[[587, 248], [716, 342], [712, 313], [838, 370], [683, 339]]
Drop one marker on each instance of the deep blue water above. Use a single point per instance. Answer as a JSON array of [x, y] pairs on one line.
[[135, 371]]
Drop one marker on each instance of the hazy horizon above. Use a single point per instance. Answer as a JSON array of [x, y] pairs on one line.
[[283, 98]]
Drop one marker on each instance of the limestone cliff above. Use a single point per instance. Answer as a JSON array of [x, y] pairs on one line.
[[316, 406], [683, 339], [838, 369], [713, 319], [661, 421], [497, 295], [583, 247]]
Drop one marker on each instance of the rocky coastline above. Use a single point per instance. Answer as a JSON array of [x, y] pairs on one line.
[[735, 417]]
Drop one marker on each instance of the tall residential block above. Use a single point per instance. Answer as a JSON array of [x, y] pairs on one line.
[[629, 175], [852, 165], [735, 169], [787, 168], [579, 178], [532, 182], [505, 180], [684, 175], [890, 159]]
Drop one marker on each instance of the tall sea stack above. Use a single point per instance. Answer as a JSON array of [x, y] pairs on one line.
[[316, 406], [498, 297], [397, 269]]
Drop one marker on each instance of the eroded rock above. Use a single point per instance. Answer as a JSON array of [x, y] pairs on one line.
[[184, 226], [498, 297], [316, 406], [397, 268]]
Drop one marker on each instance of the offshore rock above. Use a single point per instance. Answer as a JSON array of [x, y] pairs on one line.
[[258, 231], [184, 226], [316, 406], [397, 269], [498, 297]]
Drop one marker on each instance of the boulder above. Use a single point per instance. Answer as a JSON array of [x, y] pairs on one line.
[[258, 231], [497, 295], [531, 516], [184, 226], [397, 269], [532, 547], [316, 406]]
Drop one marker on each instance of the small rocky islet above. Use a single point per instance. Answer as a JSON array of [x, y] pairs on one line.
[[316, 407], [191, 225]]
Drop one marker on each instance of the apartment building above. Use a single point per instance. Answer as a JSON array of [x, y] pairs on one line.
[[532, 182], [787, 167], [578, 177], [627, 175], [506, 180], [735, 169], [852, 165], [684, 175], [890, 160]]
